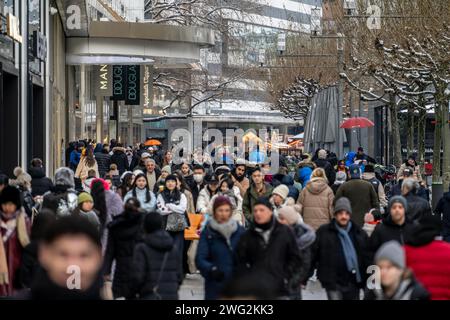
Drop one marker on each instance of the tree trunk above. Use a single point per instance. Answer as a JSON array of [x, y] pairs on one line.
[[410, 142], [437, 144], [396, 145], [421, 126], [446, 145]]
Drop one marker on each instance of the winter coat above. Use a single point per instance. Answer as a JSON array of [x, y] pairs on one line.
[[40, 184], [125, 231], [431, 264], [28, 202], [213, 251], [362, 196], [195, 190], [388, 230], [165, 209], [120, 159], [61, 199], [329, 171], [305, 237], [443, 207], [141, 195], [378, 187], [203, 200], [147, 263], [103, 162], [316, 200], [74, 159], [277, 260], [250, 198], [408, 289], [305, 169], [30, 265], [328, 256], [293, 191], [417, 206], [236, 201], [415, 169], [83, 169]]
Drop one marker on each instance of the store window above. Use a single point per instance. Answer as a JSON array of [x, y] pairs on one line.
[[6, 43], [34, 25]]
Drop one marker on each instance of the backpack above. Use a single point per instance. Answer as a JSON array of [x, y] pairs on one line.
[[375, 184]]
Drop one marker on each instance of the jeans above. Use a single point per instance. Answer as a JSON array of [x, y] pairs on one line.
[[348, 292]]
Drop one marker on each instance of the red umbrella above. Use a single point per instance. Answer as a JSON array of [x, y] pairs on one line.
[[357, 122]]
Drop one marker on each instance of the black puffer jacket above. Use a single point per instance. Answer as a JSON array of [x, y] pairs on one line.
[[326, 165], [388, 230], [147, 262], [40, 184], [103, 162], [279, 259], [417, 207], [328, 256], [443, 207], [125, 231], [120, 159]]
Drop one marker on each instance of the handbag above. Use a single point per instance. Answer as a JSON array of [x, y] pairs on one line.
[[191, 233], [175, 222]]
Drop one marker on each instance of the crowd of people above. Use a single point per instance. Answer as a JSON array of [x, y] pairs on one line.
[[136, 223]]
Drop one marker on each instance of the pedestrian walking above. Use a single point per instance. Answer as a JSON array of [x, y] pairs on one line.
[[87, 162], [305, 169], [216, 247], [395, 226], [239, 178], [341, 254], [258, 188], [142, 192], [429, 258], [101, 154], [14, 231], [206, 194], [411, 164], [40, 183], [443, 209], [126, 183], [323, 163], [417, 206], [397, 282], [197, 183], [86, 209], [22, 182], [268, 247], [75, 156], [119, 158], [156, 274], [152, 173], [361, 194], [341, 177], [369, 176], [125, 231], [227, 189], [316, 200], [62, 199]]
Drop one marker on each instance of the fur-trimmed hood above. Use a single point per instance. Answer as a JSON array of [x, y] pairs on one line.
[[65, 177]]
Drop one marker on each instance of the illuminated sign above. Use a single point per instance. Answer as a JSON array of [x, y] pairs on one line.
[[119, 83], [13, 28], [133, 91]]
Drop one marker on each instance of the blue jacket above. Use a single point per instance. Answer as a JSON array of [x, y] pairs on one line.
[[74, 159], [289, 182], [213, 250], [304, 174]]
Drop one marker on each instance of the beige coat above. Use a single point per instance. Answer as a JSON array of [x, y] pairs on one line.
[[416, 172], [316, 200], [83, 169]]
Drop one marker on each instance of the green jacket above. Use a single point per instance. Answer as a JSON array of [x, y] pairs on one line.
[[250, 198]]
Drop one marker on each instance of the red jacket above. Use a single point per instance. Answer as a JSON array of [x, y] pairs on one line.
[[431, 266]]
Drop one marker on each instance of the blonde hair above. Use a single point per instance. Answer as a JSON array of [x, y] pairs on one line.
[[319, 173], [113, 166]]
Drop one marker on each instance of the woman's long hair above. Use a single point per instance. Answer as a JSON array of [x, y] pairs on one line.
[[126, 186], [89, 157], [183, 184], [147, 190], [98, 194]]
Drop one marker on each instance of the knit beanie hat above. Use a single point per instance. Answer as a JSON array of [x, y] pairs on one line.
[[289, 214], [102, 181], [11, 194], [64, 177], [282, 190], [341, 177], [393, 252], [166, 169], [22, 178], [152, 222], [343, 204], [84, 197], [397, 199], [322, 154], [220, 201]]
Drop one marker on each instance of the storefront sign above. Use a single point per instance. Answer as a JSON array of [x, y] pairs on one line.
[[13, 28], [133, 92], [146, 85], [39, 46], [119, 83], [103, 81]]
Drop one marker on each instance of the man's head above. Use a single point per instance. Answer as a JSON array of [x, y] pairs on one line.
[[390, 258], [409, 185], [198, 173], [152, 223], [342, 211], [213, 182], [257, 176], [71, 244], [150, 165], [36, 163], [262, 211], [360, 151], [322, 154], [407, 173], [145, 156], [397, 209]]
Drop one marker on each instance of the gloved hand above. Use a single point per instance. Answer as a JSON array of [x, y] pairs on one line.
[[217, 274]]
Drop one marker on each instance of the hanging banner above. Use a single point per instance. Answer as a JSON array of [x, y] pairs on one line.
[[146, 87], [119, 83], [133, 91], [103, 81]]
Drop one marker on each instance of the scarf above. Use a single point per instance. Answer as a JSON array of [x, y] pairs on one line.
[[349, 250], [264, 230], [151, 178], [225, 229], [17, 222]]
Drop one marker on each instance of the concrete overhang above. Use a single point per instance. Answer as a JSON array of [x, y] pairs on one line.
[[139, 43]]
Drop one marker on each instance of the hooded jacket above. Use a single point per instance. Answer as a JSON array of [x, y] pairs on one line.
[[62, 198], [103, 162], [120, 159], [316, 200], [40, 184], [417, 206], [250, 198], [305, 169], [147, 263]]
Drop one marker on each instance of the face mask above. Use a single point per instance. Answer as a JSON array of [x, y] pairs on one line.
[[198, 178]]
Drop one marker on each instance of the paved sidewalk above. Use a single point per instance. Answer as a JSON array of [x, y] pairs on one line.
[[192, 289]]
